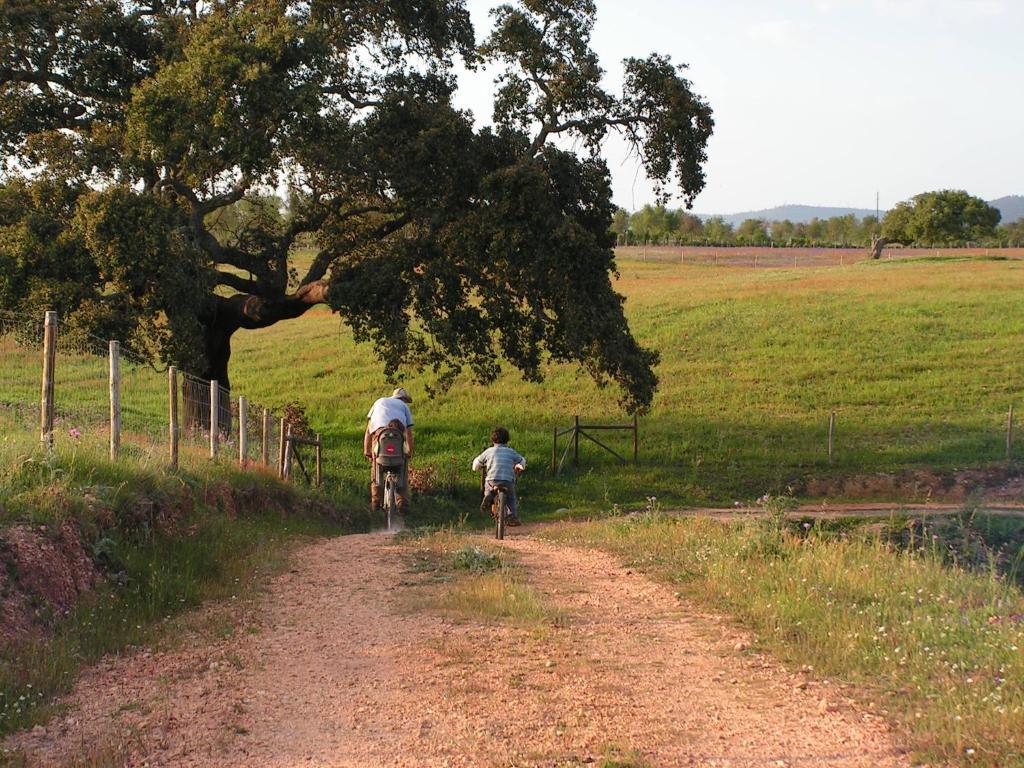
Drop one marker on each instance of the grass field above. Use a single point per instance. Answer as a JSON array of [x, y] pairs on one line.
[[782, 256], [920, 360]]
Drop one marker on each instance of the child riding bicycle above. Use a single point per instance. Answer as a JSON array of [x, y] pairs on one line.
[[502, 464]]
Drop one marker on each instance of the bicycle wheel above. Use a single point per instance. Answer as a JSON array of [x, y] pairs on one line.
[[499, 517], [390, 501]]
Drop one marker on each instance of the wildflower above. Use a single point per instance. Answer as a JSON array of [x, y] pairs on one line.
[[807, 526], [74, 433]]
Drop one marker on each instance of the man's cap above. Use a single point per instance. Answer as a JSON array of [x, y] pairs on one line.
[[401, 394]]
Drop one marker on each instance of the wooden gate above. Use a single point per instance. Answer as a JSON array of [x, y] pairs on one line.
[[578, 430]]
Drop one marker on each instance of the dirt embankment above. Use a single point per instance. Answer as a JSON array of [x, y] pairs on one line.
[[43, 572], [341, 664], [994, 484], [47, 568]]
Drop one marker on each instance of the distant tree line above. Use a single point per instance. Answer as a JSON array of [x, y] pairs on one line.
[[947, 218]]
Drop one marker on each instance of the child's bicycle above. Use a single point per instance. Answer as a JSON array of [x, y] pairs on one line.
[[500, 502]]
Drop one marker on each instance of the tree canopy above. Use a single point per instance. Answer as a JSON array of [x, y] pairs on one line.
[[658, 224], [947, 217], [134, 130]]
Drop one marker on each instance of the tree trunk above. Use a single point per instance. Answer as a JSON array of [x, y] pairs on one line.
[[877, 246], [228, 315], [196, 391]]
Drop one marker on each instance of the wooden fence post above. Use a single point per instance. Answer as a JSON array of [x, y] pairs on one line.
[[280, 453], [49, 364], [319, 460], [214, 419], [172, 412], [288, 454], [831, 434], [576, 443], [243, 432], [1009, 433], [115, 399], [636, 439], [266, 438]]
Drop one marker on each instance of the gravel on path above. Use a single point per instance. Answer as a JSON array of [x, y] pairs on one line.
[[347, 664]]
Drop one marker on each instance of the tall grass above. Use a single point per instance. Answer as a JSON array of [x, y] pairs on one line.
[[938, 650]]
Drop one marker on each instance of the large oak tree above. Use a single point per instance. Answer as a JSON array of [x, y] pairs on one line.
[[128, 127], [948, 217]]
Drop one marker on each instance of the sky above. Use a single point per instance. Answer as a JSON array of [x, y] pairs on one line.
[[824, 102]]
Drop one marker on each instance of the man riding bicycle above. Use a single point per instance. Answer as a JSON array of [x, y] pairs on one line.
[[388, 413]]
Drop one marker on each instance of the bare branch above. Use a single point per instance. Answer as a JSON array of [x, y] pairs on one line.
[[232, 196], [45, 79], [359, 102], [239, 283]]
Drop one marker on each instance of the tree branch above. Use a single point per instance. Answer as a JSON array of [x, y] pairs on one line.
[[251, 312], [239, 283], [355, 101], [315, 221], [44, 79], [585, 126], [233, 195]]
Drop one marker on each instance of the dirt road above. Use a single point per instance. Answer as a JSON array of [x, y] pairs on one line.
[[343, 668]]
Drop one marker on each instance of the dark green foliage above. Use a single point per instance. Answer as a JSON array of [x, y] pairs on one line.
[[157, 132], [947, 217]]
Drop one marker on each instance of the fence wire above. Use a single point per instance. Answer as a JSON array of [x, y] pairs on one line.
[[20, 351], [82, 404], [779, 256], [81, 386]]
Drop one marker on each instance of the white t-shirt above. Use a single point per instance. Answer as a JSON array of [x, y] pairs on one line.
[[386, 410]]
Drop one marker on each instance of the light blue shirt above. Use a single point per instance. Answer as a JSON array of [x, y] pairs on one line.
[[500, 461]]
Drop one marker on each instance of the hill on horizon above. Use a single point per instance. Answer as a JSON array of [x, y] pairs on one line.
[[1011, 207], [798, 214]]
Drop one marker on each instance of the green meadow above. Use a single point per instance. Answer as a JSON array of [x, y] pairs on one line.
[[919, 360]]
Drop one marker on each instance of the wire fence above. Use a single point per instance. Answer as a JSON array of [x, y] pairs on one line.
[[778, 257], [71, 388], [20, 352]]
